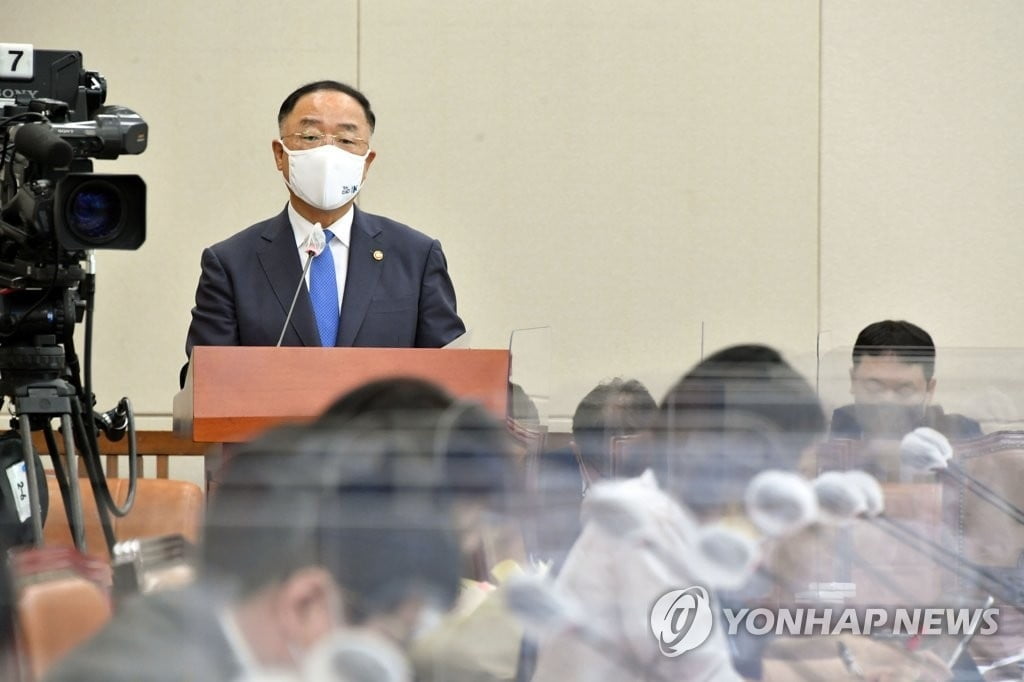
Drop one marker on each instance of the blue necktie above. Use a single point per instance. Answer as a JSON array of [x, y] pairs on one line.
[[323, 292]]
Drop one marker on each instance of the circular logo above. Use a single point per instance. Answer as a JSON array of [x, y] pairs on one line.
[[681, 620]]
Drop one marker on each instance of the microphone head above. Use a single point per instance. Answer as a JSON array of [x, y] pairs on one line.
[[869, 487], [315, 242], [780, 503], [625, 506], [38, 142], [356, 655], [725, 558], [616, 514], [838, 499], [925, 449]]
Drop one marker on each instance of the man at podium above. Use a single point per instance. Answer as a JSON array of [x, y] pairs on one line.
[[347, 277]]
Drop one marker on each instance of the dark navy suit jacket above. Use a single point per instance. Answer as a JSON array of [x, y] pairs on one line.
[[404, 300]]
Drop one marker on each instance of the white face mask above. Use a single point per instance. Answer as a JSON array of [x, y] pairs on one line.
[[325, 177]]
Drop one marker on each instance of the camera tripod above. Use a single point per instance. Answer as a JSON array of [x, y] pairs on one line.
[[34, 378]]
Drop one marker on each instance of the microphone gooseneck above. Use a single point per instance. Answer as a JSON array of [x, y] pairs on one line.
[[313, 245]]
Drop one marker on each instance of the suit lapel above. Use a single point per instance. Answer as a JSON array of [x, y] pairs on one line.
[[279, 258], [363, 275]]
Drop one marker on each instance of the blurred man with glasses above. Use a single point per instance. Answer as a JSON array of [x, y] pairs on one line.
[[892, 381], [375, 283]]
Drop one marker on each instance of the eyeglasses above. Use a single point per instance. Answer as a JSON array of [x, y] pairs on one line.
[[311, 139]]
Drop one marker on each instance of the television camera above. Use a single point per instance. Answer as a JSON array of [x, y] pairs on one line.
[[54, 212]]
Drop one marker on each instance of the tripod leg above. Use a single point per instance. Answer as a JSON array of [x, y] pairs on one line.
[[65, 483], [33, 481], [56, 461], [91, 458], [75, 507]]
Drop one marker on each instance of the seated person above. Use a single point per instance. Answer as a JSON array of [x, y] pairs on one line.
[[738, 412], [323, 545], [475, 448], [612, 409], [892, 381], [400, 397]]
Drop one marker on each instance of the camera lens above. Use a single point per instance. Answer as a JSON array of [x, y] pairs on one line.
[[94, 211]]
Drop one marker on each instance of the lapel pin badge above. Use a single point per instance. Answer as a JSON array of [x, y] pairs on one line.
[[378, 255]]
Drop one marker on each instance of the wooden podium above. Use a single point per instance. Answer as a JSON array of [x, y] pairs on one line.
[[233, 393]]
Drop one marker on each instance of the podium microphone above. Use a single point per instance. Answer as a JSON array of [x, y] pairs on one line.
[[313, 245]]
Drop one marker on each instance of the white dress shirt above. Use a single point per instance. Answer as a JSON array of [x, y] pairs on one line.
[[247, 660], [342, 231]]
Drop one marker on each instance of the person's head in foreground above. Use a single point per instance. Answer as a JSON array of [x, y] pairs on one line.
[[337, 544], [471, 446], [739, 412]]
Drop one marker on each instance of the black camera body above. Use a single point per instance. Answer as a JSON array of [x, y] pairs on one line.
[[54, 211], [53, 207]]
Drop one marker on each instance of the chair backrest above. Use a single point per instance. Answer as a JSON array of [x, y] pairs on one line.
[[976, 531], [57, 531], [882, 570], [162, 507], [630, 452], [63, 599], [988, 536], [528, 440]]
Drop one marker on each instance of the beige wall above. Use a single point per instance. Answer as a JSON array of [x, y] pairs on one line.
[[622, 177], [921, 212], [922, 162], [628, 175]]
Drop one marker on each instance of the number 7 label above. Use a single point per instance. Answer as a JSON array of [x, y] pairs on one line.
[[16, 61]]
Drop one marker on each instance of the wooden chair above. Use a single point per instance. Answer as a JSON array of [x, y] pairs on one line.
[[883, 570], [630, 453], [989, 537], [528, 440], [162, 507], [975, 530], [63, 598]]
